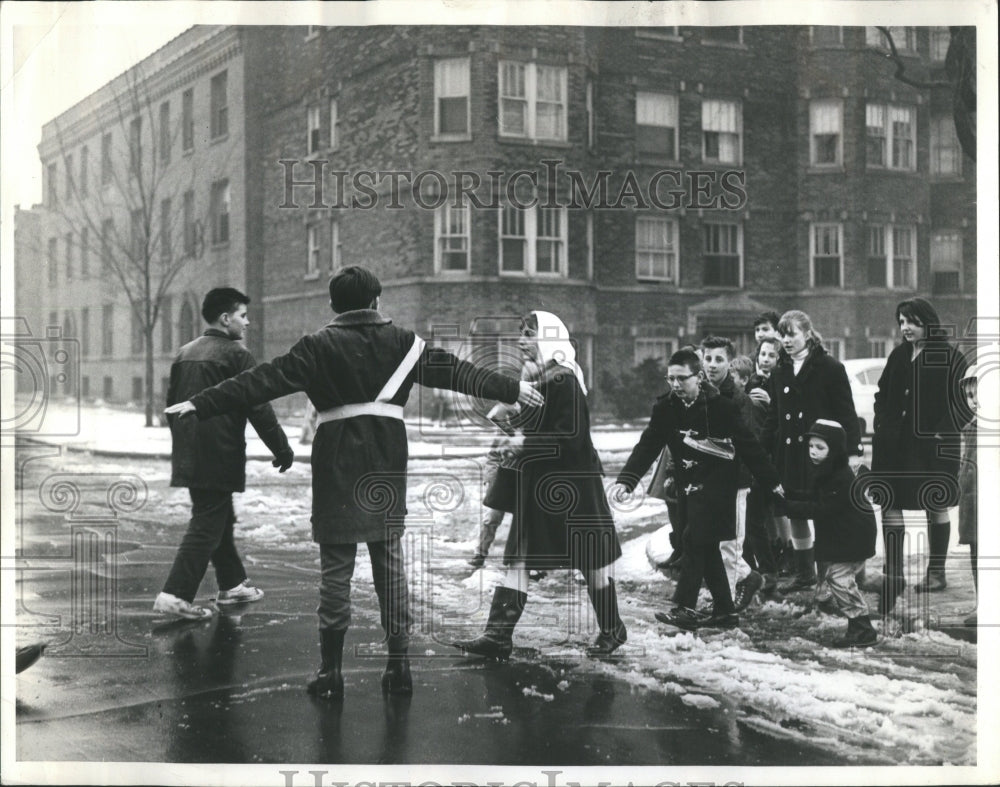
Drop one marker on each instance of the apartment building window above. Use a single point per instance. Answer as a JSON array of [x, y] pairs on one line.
[[826, 133], [135, 145], [220, 211], [946, 152], [336, 259], [313, 143], [722, 35], [188, 209], [187, 119], [891, 135], [652, 347], [165, 138], [946, 261], [166, 241], [84, 252], [451, 97], [722, 253], [826, 35], [656, 248], [107, 238], [53, 185], [892, 256], [108, 388], [904, 38], [105, 159], [219, 105], [84, 170], [108, 330], [532, 101], [334, 124], [940, 40], [53, 260], [878, 348], [137, 334], [69, 176], [656, 124], [85, 332], [136, 389], [835, 347], [452, 238], [533, 240], [68, 241], [591, 118], [167, 324], [721, 131], [826, 262], [312, 250]]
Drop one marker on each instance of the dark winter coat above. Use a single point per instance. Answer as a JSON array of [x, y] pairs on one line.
[[968, 484], [706, 485], [843, 517], [212, 454], [563, 519], [919, 411], [359, 463], [819, 390]]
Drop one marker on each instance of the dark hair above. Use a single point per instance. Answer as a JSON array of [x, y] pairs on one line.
[[920, 311], [221, 300], [715, 342], [688, 358], [767, 317], [742, 366], [353, 288], [801, 320]]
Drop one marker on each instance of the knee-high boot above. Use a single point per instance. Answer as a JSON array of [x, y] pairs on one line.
[[613, 633], [496, 642], [329, 681], [939, 535], [894, 582], [396, 679]]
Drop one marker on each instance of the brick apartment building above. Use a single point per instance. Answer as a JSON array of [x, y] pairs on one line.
[[742, 169]]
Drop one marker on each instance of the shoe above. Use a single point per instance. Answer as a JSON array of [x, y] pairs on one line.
[[477, 561], [860, 633], [329, 681], [770, 584], [746, 589], [726, 620], [805, 572], [613, 633], [172, 605], [496, 642], [934, 582], [397, 679], [682, 618], [243, 592], [28, 655]]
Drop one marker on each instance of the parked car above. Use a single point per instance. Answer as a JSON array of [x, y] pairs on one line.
[[864, 374]]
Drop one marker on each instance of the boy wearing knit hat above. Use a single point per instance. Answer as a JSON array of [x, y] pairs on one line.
[[845, 526]]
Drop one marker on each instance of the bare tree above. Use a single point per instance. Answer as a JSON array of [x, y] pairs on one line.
[[960, 69], [135, 214]]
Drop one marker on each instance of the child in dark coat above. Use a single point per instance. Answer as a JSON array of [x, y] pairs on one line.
[[845, 526]]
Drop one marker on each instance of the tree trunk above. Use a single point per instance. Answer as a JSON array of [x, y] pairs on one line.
[[150, 387]]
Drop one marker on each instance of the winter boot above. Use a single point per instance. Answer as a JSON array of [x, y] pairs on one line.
[[893, 582], [396, 679], [805, 572], [860, 633], [613, 633], [770, 584], [496, 641], [783, 556], [939, 535], [329, 682]]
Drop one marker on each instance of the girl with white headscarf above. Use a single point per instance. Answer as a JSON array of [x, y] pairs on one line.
[[561, 517]]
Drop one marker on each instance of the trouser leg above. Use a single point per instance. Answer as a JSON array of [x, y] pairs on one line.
[[389, 575], [731, 551], [229, 571], [692, 573], [757, 536], [488, 530], [717, 582], [843, 587], [211, 512], [337, 568]]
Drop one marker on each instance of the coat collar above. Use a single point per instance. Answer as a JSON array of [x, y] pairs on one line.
[[360, 317], [216, 332]]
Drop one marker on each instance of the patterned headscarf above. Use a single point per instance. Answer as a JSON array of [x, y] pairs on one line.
[[554, 345]]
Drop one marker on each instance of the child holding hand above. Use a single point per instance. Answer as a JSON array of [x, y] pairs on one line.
[[845, 527]]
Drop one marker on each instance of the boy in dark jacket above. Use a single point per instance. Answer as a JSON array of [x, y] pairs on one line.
[[845, 527]]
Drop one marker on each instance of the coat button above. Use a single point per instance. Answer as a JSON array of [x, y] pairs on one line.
[[800, 438], [788, 417], [788, 441], [904, 412], [800, 415], [786, 389], [907, 391]]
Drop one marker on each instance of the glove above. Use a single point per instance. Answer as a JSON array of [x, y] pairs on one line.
[[283, 460]]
